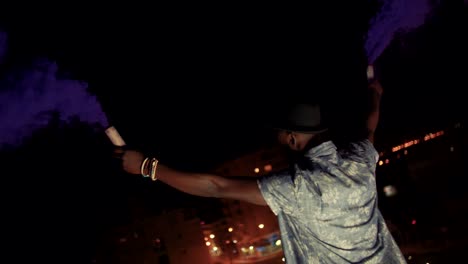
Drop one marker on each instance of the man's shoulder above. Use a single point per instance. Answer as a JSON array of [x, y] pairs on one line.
[[360, 151]]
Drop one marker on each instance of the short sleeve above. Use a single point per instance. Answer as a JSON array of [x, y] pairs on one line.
[[363, 151], [279, 192]]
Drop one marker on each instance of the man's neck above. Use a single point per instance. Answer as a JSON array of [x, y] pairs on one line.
[[316, 140]]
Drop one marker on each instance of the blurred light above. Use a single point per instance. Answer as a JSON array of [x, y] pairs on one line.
[[227, 241], [123, 240], [268, 167], [212, 236], [261, 226], [390, 190], [234, 241], [406, 152], [251, 247], [410, 257], [380, 163], [215, 248], [387, 161], [283, 259], [405, 145], [230, 229], [202, 223], [433, 135], [278, 242], [257, 170], [413, 222], [208, 244], [452, 149], [206, 239]]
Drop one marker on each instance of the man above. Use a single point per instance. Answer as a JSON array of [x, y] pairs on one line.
[[326, 204]]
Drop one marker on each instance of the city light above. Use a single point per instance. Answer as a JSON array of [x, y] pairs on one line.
[[234, 241], [390, 190], [257, 170], [268, 167], [261, 226], [230, 229], [212, 236], [207, 243], [413, 222], [433, 135], [381, 163], [278, 242], [206, 239], [405, 145], [387, 161], [215, 248], [283, 259], [417, 141], [251, 247]]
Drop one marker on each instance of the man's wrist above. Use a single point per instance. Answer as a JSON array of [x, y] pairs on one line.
[[148, 168]]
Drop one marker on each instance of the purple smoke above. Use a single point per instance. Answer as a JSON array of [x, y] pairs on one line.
[[394, 16], [29, 97]]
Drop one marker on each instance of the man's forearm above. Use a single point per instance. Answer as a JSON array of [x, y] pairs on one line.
[[374, 109], [205, 185], [374, 112], [209, 185]]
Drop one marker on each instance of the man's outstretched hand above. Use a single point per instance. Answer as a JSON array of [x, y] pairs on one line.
[[376, 87], [131, 160]]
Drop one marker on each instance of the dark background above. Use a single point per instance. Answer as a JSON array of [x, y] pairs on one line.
[[197, 86]]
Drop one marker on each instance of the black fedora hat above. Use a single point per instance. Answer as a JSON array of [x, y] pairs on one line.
[[302, 118]]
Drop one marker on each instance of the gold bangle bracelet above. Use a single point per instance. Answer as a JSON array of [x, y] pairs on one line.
[[153, 169], [142, 168]]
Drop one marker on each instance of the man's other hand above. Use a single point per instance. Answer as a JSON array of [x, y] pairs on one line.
[[376, 88], [131, 161]]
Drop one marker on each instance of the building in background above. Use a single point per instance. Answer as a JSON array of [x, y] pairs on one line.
[[420, 184], [253, 229], [172, 237]]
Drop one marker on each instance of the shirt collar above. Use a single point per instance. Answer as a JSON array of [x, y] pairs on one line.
[[324, 149]]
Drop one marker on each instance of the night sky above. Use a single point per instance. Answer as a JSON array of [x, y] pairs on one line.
[[197, 88]]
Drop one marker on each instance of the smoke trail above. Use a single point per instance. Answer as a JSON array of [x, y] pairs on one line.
[[394, 16], [29, 97]]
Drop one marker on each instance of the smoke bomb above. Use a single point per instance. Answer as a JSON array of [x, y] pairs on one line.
[[114, 137]]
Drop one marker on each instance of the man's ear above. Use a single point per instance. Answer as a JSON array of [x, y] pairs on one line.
[[292, 140]]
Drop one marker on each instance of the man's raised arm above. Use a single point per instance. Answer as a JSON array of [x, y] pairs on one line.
[[206, 185], [375, 94]]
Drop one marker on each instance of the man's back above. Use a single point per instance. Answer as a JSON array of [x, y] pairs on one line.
[[327, 209]]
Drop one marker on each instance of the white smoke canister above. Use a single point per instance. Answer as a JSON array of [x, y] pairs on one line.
[[370, 73], [115, 137]]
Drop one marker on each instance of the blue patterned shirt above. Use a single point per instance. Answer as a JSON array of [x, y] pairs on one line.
[[327, 207]]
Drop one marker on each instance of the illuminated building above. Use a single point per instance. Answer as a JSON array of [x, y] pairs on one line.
[[253, 228], [172, 237], [420, 178]]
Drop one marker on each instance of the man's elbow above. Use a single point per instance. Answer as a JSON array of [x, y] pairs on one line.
[[215, 187]]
